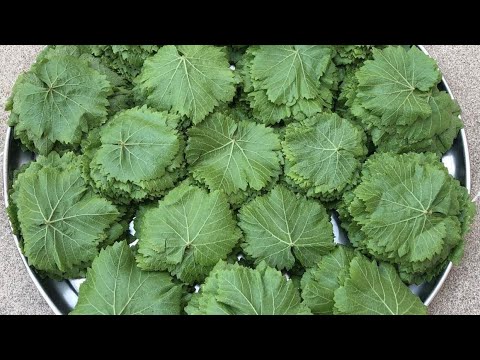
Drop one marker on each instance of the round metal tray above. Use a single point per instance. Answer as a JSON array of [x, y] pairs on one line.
[[62, 296]]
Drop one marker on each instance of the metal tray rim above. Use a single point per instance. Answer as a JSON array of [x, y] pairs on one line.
[[468, 179], [57, 311]]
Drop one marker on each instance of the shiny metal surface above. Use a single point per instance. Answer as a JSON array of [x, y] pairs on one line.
[[62, 296]]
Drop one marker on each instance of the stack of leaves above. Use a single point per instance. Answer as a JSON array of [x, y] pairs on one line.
[[121, 96], [187, 233], [323, 155], [410, 212], [138, 154], [61, 220], [346, 282], [126, 60], [291, 81], [232, 289], [352, 55], [187, 80], [398, 101], [58, 100]]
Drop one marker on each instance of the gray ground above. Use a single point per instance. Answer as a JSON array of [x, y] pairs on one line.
[[460, 295]]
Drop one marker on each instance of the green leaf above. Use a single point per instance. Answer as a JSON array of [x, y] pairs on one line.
[[137, 145], [187, 234], [320, 282], [231, 156], [281, 227], [190, 80], [62, 98], [325, 153], [376, 290], [396, 84], [290, 72], [61, 220], [116, 286], [237, 290]]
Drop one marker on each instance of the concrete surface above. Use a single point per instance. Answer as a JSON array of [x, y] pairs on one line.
[[460, 294]]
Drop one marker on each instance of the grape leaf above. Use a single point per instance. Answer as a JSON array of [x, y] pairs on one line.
[[62, 98], [116, 286], [230, 156], [325, 153], [137, 145], [290, 72], [237, 290], [375, 290], [187, 234], [320, 282], [281, 227], [190, 80], [396, 84], [61, 221]]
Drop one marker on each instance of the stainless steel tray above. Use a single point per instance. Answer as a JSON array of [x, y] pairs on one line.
[[62, 296]]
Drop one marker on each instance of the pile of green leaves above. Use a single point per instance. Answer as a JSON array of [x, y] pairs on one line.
[[202, 179], [396, 97], [137, 155], [126, 60], [346, 282], [410, 212]]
